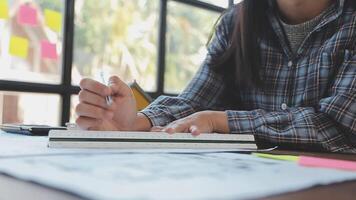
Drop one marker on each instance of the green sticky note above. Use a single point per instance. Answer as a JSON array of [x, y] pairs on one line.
[[277, 157]]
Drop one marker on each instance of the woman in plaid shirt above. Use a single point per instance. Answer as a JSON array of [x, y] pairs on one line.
[[283, 70]]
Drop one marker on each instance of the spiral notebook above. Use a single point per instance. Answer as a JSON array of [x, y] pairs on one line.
[[149, 140]]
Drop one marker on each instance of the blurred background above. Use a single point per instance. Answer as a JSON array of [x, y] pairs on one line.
[[48, 46]]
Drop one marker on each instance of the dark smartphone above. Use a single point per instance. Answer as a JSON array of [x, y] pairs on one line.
[[29, 129]]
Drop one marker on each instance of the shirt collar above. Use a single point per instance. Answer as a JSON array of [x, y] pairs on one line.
[[330, 16]]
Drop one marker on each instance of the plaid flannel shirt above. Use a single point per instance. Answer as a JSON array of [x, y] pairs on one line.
[[310, 101]]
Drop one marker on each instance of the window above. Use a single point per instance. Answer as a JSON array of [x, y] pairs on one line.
[[123, 44], [31, 41], [73, 103], [48, 46], [29, 108], [221, 3], [188, 30]]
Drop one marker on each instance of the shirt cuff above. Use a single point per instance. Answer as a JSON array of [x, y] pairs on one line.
[[244, 122], [156, 117]]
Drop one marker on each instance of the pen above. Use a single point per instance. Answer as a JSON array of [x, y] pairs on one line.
[[108, 98]]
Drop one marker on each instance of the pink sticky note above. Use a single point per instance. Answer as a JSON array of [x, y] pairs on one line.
[[48, 50], [327, 163], [27, 15]]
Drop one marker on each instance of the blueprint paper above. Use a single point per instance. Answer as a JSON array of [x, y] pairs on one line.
[[158, 175], [169, 176]]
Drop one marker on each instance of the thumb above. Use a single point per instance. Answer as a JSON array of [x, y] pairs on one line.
[[119, 87]]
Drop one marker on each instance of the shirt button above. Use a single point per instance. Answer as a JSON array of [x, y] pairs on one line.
[[284, 106], [290, 64]]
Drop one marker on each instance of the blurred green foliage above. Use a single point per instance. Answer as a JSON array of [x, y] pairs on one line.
[[57, 5], [119, 36], [188, 31], [122, 36]]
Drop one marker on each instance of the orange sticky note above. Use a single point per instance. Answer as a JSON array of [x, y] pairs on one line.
[[4, 9], [327, 163], [27, 15], [48, 50], [53, 19], [18, 47]]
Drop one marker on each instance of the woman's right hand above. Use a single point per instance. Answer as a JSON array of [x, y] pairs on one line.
[[95, 114]]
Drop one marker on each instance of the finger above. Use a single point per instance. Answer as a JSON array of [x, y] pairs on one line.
[[92, 98], [168, 130], [87, 110], [95, 87], [157, 129], [119, 87], [194, 130], [177, 128], [87, 122]]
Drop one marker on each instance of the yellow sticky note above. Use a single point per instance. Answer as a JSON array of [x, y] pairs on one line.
[[141, 101], [142, 98], [53, 19], [277, 157], [19, 47], [4, 9]]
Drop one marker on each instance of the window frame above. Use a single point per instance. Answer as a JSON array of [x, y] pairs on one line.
[[65, 89]]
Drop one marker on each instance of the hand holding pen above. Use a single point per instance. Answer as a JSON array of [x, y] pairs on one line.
[[103, 107]]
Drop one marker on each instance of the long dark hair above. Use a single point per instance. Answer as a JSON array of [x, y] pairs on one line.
[[240, 63]]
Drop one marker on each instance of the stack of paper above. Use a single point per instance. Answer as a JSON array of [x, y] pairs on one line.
[[117, 139]]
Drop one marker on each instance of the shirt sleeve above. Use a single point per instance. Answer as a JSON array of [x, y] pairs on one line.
[[205, 89], [330, 127]]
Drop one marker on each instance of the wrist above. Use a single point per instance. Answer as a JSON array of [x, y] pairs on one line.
[[142, 123], [220, 122]]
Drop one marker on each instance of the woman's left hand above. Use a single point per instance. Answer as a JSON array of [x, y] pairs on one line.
[[200, 122]]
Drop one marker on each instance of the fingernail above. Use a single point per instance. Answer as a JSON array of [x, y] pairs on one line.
[[111, 82], [194, 131]]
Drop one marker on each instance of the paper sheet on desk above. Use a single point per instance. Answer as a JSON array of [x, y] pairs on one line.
[[155, 174], [169, 176]]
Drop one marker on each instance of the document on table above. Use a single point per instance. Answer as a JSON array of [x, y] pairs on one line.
[[156, 174], [169, 176]]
